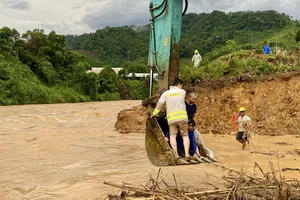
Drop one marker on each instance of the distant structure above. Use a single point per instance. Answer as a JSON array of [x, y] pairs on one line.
[[142, 75], [97, 70]]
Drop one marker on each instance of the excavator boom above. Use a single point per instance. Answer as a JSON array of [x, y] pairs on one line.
[[165, 33]]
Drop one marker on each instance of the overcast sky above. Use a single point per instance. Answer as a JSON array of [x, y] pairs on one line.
[[86, 16]]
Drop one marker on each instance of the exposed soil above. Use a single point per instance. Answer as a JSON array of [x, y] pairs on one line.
[[273, 104], [67, 151]]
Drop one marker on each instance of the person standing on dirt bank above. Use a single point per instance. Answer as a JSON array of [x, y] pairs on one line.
[[243, 121], [267, 49], [197, 59], [190, 105], [174, 99]]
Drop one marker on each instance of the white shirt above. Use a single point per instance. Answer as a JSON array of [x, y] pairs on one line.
[[241, 120], [175, 105], [197, 59], [198, 138]]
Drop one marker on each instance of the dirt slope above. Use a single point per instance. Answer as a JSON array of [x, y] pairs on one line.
[[273, 103]]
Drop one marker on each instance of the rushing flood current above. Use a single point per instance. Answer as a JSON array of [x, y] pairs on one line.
[[67, 151]]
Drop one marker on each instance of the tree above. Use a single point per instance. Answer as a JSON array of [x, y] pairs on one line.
[[231, 45], [34, 40], [47, 72], [6, 41], [108, 80], [297, 38]]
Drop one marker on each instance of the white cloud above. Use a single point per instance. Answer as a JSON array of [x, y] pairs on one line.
[[85, 16], [16, 4], [116, 13]]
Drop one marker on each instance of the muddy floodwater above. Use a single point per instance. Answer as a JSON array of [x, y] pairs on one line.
[[67, 151]]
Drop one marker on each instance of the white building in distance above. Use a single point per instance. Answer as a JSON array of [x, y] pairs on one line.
[[97, 70]]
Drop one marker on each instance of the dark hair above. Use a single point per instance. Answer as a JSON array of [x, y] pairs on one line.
[[177, 81], [191, 121]]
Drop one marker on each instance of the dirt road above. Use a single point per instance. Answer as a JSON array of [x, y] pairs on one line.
[[67, 151]]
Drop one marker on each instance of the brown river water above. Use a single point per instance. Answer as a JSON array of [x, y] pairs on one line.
[[67, 151]]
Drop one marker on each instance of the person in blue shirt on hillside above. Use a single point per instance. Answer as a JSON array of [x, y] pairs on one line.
[[267, 49]]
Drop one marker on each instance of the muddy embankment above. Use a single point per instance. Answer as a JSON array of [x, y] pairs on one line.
[[273, 104]]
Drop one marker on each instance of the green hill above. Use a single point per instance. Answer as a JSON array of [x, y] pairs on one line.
[[207, 32], [51, 68]]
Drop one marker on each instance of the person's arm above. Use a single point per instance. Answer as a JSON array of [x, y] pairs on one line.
[[198, 138], [160, 103], [167, 136], [237, 119]]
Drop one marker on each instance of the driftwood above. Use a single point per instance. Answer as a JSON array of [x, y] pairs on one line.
[[263, 185]]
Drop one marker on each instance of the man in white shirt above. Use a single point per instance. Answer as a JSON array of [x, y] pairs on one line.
[[244, 123], [197, 59]]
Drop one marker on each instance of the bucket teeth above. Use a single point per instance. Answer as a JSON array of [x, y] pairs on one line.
[[193, 161], [181, 162], [199, 160], [213, 160], [206, 160]]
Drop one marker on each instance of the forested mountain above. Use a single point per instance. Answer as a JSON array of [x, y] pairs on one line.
[[205, 32], [37, 68], [114, 45], [208, 32], [49, 68]]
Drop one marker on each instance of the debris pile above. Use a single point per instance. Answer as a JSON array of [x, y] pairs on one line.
[[238, 185]]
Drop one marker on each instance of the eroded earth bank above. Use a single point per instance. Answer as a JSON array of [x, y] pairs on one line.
[[273, 103]]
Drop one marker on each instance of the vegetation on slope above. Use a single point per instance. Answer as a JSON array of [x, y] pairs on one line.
[[207, 32], [51, 68], [37, 68]]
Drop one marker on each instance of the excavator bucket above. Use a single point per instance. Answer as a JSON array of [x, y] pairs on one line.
[[207, 154], [159, 151]]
